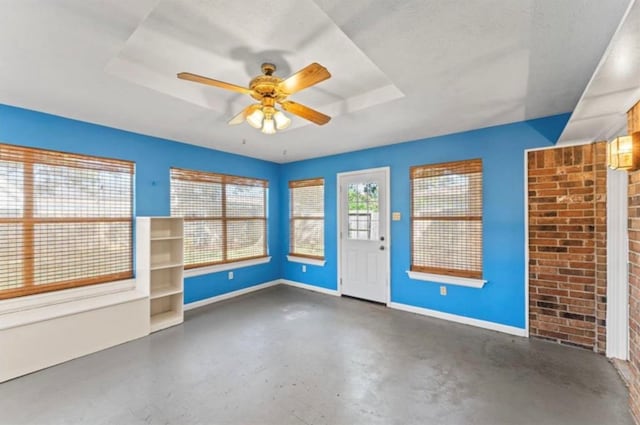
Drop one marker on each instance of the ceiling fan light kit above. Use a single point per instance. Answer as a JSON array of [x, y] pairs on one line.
[[270, 90]]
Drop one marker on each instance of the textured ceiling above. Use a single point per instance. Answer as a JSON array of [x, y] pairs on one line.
[[183, 35], [614, 88], [460, 64]]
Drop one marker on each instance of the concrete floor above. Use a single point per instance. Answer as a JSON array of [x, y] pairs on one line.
[[288, 356]]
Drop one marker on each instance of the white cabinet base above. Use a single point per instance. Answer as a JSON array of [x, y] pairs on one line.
[[34, 346]]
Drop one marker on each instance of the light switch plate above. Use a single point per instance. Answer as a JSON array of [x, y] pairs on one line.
[[443, 290], [396, 216]]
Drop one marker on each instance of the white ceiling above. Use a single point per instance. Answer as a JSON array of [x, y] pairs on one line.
[[402, 69], [168, 42], [614, 88]]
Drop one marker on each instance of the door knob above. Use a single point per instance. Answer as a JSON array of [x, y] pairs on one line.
[[382, 238], [381, 247]]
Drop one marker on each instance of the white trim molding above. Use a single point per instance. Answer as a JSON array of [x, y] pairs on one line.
[[617, 263], [308, 287], [224, 267], [525, 200], [232, 294], [511, 330], [305, 260], [450, 280]]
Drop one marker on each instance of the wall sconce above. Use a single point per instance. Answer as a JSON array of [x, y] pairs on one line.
[[623, 153]]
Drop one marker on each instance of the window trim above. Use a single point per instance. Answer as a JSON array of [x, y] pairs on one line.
[[14, 153], [450, 280], [226, 266], [453, 276], [294, 256], [44, 306], [224, 179], [306, 260]]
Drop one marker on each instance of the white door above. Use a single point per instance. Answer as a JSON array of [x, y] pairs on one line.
[[364, 239]]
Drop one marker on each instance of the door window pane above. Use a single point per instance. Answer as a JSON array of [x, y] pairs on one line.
[[364, 217]]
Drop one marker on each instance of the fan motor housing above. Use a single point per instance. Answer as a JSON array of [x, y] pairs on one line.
[[265, 86]]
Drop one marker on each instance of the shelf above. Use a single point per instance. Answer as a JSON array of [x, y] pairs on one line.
[[165, 319], [159, 263], [166, 266], [165, 291], [166, 311], [166, 227], [165, 238], [166, 251]]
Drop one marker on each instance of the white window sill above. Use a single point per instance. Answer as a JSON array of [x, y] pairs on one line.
[[451, 280], [40, 307], [304, 260], [223, 267]]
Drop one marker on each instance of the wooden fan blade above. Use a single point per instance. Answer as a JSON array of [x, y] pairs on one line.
[[211, 82], [305, 112], [306, 77], [239, 119]]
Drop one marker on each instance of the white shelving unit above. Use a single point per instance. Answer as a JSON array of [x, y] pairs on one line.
[[159, 266]]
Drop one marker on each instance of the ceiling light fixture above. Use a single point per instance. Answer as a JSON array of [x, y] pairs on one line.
[[282, 121], [255, 118], [268, 119]]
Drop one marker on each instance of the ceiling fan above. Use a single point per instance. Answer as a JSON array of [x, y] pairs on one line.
[[270, 90]]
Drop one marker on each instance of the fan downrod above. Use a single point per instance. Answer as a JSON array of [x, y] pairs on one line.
[[268, 68]]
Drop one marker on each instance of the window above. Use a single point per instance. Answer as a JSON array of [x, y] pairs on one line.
[[225, 217], [446, 218], [65, 220], [306, 231], [363, 211]]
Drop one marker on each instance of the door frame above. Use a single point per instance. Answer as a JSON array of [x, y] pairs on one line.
[[387, 208], [617, 266]]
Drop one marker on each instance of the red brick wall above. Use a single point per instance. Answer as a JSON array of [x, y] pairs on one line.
[[634, 274], [600, 228], [634, 293], [567, 245]]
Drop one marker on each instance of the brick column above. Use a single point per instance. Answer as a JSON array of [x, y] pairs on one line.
[[567, 245], [634, 275]]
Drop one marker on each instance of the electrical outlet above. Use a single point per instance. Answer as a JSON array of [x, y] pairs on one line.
[[304, 268], [443, 290], [230, 275]]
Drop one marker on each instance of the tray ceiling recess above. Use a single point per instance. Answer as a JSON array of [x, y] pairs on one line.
[[181, 35]]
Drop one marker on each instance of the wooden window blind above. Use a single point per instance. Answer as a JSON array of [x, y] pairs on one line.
[[225, 216], [306, 223], [446, 218], [65, 220]]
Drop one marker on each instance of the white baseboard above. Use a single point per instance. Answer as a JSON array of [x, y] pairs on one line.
[[232, 294], [511, 330], [310, 287]]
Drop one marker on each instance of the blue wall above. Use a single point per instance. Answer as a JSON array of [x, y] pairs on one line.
[[153, 158], [502, 151]]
